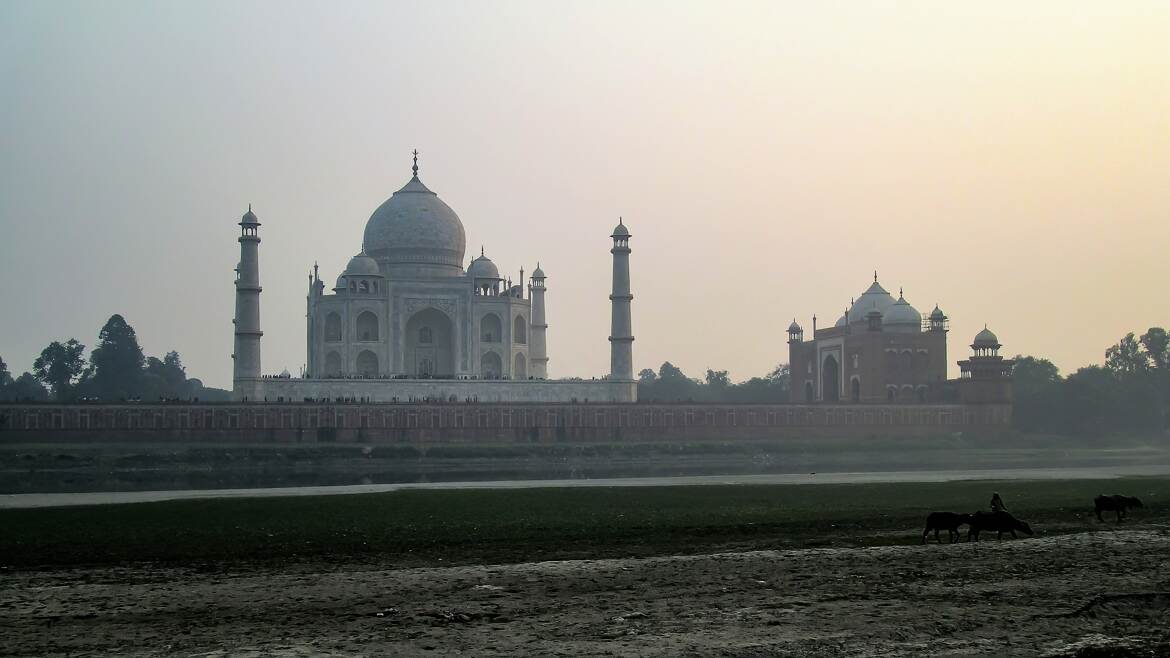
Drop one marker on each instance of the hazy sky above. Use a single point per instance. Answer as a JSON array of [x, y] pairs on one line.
[[1009, 161]]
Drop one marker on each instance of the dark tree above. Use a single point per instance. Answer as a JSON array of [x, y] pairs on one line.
[[1038, 393], [5, 376], [1157, 345], [647, 376], [117, 361], [1127, 356], [717, 379], [25, 387], [166, 378], [59, 366]]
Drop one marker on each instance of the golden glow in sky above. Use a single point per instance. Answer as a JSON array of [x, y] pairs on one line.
[[1008, 161]]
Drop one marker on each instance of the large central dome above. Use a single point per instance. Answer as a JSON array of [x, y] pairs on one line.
[[414, 230]]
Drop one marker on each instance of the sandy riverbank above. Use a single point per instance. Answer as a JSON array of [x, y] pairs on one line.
[[1021, 597]]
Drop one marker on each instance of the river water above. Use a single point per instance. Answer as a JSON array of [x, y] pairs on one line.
[[15, 501]]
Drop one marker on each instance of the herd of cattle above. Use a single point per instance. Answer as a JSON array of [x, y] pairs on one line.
[[1002, 521]]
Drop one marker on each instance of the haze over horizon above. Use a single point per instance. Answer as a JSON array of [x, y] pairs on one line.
[[1006, 161]]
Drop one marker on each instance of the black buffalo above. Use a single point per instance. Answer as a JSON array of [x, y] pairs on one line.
[[949, 521], [1115, 503], [1000, 522]]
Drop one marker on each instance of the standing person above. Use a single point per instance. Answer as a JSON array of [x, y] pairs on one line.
[[997, 503]]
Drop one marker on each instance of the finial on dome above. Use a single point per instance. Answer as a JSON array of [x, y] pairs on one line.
[[414, 168], [621, 222], [481, 251], [875, 276], [900, 292], [249, 207]]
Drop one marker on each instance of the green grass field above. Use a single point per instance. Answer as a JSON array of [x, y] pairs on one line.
[[485, 526]]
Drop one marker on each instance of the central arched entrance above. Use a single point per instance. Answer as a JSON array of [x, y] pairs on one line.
[[830, 379], [367, 364], [491, 366], [430, 345]]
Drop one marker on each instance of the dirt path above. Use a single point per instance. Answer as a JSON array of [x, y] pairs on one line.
[[1024, 597]]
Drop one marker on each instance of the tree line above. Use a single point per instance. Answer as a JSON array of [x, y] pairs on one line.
[[670, 384], [116, 370], [1130, 393]]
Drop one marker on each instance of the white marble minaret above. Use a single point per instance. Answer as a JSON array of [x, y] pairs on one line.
[[539, 348], [621, 338], [247, 347]]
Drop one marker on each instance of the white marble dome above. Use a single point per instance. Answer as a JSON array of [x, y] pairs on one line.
[[415, 227], [986, 338], [483, 268], [874, 298], [362, 265], [901, 316]]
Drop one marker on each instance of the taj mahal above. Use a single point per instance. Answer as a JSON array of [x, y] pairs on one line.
[[406, 319]]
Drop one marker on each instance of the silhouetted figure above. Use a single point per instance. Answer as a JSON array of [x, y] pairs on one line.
[[949, 521], [997, 503], [1115, 503], [1000, 522]]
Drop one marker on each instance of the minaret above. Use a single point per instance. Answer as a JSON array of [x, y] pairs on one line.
[[247, 321], [538, 349], [621, 339]]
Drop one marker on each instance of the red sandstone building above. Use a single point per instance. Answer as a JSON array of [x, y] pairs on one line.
[[883, 351]]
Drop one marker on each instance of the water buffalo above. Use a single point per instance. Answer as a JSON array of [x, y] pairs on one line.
[[949, 521], [1001, 522], [1115, 503]]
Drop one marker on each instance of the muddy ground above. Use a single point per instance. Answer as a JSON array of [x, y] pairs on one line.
[[1089, 594]]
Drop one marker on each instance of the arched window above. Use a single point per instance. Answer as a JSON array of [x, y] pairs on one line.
[[332, 364], [892, 394], [855, 390], [491, 330], [520, 330], [367, 364], [520, 367], [490, 366], [364, 287], [426, 336], [808, 391], [906, 361], [923, 359], [367, 327], [830, 379], [333, 329], [352, 286]]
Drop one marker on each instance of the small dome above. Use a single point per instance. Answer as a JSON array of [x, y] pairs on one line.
[[902, 314], [362, 265], [249, 217], [986, 338], [937, 314], [620, 231], [538, 273], [874, 297], [483, 268], [794, 328]]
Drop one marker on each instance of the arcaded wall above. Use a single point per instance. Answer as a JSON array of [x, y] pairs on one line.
[[505, 422]]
